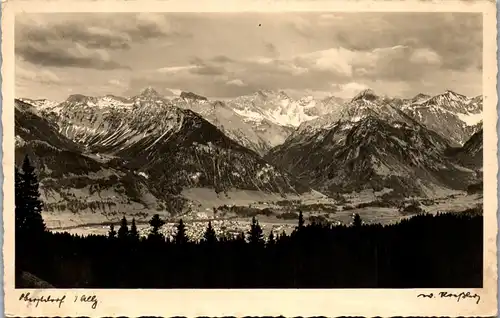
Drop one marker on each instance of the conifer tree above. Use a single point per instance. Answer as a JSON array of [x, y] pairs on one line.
[[156, 223], [112, 232], [134, 234], [301, 220], [356, 220], [270, 239], [241, 237], [20, 211], [123, 230], [283, 235], [180, 236], [209, 237], [28, 204], [255, 232]]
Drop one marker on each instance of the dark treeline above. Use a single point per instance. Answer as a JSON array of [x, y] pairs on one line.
[[425, 251]]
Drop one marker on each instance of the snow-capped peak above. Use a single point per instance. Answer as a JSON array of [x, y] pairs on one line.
[[40, 104], [77, 98], [149, 92], [192, 96], [367, 94]]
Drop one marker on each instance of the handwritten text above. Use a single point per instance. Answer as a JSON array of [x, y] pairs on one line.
[[458, 296]]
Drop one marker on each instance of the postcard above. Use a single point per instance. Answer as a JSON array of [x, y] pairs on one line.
[[249, 158]]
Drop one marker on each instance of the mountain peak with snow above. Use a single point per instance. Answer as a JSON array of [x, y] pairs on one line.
[[75, 98], [192, 96], [367, 94], [270, 94], [420, 96], [149, 92]]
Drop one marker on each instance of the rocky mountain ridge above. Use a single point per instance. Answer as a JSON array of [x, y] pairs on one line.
[[372, 142], [140, 152], [138, 155]]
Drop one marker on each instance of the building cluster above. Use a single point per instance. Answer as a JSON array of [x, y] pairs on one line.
[[223, 228]]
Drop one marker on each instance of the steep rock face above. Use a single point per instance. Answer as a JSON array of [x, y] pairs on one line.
[[259, 121], [371, 154], [193, 96], [471, 153], [280, 109], [163, 148], [229, 122], [474, 147], [73, 182], [452, 115], [39, 104], [370, 144], [274, 115], [365, 104]]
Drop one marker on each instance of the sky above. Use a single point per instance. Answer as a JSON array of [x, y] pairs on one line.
[[223, 55]]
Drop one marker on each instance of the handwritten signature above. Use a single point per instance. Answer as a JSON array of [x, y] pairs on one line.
[[26, 297], [459, 296]]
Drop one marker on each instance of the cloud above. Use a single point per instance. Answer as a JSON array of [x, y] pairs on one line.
[[425, 55], [394, 63], [222, 59], [339, 70], [85, 40], [174, 91], [236, 82], [348, 90], [113, 31], [175, 69], [335, 60], [77, 56], [92, 36], [456, 36], [321, 52], [47, 32], [117, 83], [40, 76], [147, 26], [271, 49], [207, 70]]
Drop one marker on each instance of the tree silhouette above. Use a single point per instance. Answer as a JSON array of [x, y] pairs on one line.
[[123, 230], [282, 235], [356, 220], [20, 211], [209, 237], [270, 239], [180, 237], [241, 237], [29, 220], [156, 223], [134, 234], [255, 232], [301, 220], [112, 232]]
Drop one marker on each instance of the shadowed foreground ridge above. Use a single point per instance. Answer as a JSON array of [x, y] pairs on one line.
[[443, 251]]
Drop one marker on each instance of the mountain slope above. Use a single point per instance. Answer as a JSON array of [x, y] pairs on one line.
[[98, 161], [275, 115], [452, 115], [173, 147], [72, 182], [471, 153], [369, 144], [228, 121]]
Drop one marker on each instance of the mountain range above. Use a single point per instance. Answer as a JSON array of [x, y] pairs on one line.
[[371, 142], [108, 154]]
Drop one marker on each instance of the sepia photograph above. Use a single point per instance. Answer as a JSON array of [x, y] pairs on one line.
[[249, 150]]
